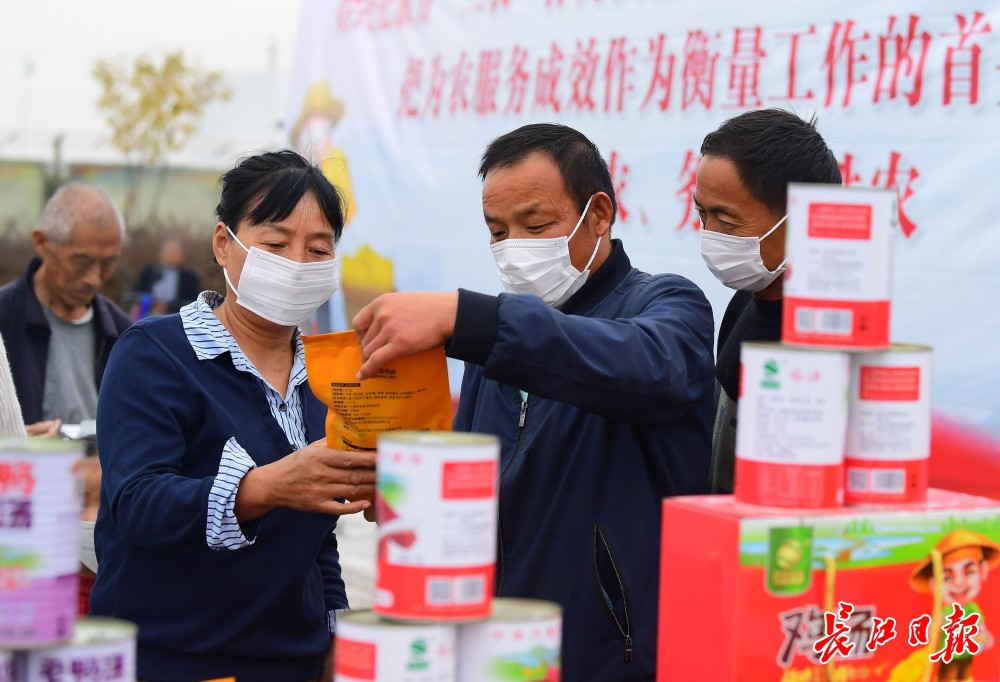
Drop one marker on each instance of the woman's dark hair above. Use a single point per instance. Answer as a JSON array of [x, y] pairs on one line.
[[771, 148], [267, 188], [584, 172]]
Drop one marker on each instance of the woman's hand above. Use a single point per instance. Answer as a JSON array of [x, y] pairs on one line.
[[308, 480]]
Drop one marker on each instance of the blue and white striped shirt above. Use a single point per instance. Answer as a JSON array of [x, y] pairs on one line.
[[209, 339]]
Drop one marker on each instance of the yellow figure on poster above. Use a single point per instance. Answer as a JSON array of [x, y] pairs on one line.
[[312, 136]]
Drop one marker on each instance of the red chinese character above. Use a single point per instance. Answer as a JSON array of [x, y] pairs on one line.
[[404, 15], [663, 73], [547, 80], [689, 179], [744, 68], [619, 175], [460, 85], [843, 46], [378, 14], [410, 88], [517, 80], [582, 72], [698, 74], [888, 180], [438, 79], [793, 53], [616, 75], [499, 4], [895, 55], [847, 171], [959, 631], [17, 476], [424, 13], [919, 631], [488, 80], [835, 640], [961, 64], [351, 14], [883, 632]]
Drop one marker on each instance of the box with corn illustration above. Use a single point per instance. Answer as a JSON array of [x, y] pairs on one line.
[[901, 593]]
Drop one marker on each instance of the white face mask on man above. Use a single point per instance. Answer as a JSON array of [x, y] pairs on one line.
[[736, 262], [542, 267], [282, 290]]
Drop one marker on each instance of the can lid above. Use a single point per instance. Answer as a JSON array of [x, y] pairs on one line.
[[518, 610], [908, 348], [776, 347], [438, 438], [19, 447], [368, 617], [97, 630]]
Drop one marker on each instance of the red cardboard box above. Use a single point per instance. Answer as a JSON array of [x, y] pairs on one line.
[[745, 590]]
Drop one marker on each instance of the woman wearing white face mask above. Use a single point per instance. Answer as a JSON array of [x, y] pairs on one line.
[[215, 532], [740, 195]]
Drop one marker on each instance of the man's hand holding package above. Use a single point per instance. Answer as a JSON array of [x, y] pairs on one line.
[[403, 323], [308, 480]]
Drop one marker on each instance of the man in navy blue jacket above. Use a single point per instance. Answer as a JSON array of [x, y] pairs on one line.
[[596, 377]]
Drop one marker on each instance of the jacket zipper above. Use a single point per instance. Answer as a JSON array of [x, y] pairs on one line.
[[627, 630], [503, 475]]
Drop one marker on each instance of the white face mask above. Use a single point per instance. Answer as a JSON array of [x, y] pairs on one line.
[[281, 290], [736, 261], [542, 266], [88, 554]]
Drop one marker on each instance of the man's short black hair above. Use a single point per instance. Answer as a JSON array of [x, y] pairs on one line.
[[583, 171], [771, 148]]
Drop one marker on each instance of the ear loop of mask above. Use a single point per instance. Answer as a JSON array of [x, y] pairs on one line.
[[578, 224], [766, 235], [225, 271]]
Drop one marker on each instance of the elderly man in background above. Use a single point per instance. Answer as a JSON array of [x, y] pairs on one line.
[[59, 330], [740, 194]]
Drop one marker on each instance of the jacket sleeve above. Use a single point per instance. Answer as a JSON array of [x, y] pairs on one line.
[[334, 591], [141, 420], [644, 367]]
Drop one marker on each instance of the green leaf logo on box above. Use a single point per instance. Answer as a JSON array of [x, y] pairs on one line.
[[770, 379], [418, 656]]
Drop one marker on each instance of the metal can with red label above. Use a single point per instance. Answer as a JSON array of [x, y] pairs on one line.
[[791, 426], [889, 426], [371, 649], [436, 498], [101, 649], [40, 505], [838, 247], [521, 640]]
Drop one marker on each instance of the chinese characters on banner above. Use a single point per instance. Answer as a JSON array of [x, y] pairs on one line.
[[623, 74]]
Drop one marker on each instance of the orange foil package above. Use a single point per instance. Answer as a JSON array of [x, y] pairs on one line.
[[408, 394]]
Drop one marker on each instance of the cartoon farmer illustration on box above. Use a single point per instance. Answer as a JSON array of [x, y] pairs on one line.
[[967, 558]]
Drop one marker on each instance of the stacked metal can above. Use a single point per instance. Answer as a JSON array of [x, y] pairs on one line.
[[434, 618], [834, 414], [40, 636]]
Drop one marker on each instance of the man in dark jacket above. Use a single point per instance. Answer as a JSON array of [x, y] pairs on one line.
[[740, 195], [596, 378], [58, 329], [169, 285]]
